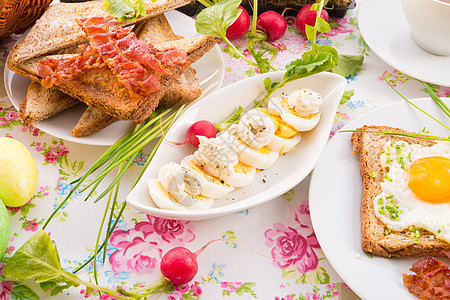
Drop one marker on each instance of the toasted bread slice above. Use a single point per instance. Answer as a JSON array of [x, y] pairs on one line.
[[100, 88], [92, 120], [42, 103], [57, 28], [368, 146], [186, 88]]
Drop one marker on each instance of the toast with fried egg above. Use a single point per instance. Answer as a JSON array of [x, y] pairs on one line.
[[376, 237]]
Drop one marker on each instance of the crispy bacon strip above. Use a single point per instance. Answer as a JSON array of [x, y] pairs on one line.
[[54, 71], [128, 58], [431, 281]]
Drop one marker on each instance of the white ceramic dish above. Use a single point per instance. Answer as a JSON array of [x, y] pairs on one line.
[[210, 68], [384, 28], [334, 202], [287, 172]]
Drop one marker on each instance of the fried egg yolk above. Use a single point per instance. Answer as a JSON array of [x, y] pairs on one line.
[[429, 179]]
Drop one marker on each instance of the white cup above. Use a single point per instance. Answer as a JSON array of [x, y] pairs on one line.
[[429, 21]]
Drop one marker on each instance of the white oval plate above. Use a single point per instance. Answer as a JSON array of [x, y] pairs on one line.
[[384, 28], [210, 68], [288, 171], [335, 197]]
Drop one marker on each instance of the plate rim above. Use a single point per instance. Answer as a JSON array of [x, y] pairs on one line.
[[315, 211], [382, 52], [9, 74]]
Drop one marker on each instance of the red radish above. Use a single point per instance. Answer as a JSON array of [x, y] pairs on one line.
[[179, 265], [240, 26], [199, 128], [273, 24], [306, 16], [202, 128]]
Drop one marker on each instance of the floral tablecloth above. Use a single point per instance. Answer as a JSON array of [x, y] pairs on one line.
[[270, 251]]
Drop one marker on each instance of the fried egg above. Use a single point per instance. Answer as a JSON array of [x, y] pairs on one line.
[[300, 109], [415, 188]]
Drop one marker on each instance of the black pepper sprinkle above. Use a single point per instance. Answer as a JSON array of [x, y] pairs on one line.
[[264, 181]]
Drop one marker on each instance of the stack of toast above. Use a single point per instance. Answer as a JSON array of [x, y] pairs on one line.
[[106, 98], [374, 238]]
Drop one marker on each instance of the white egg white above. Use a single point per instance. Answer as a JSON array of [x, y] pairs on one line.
[[163, 199], [212, 186], [282, 145], [278, 106], [262, 158]]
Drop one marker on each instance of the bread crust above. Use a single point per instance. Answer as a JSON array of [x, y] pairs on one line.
[[368, 146]]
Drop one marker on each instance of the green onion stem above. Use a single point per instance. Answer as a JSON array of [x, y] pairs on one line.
[[98, 237], [385, 79], [436, 98], [411, 135]]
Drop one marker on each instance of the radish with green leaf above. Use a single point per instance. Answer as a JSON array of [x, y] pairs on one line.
[[272, 24], [306, 16], [240, 26]]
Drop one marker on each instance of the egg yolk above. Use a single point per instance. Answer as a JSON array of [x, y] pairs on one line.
[[429, 179], [282, 129]]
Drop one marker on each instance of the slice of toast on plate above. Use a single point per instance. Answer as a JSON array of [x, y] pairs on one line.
[[376, 238], [41, 103], [99, 87], [91, 121]]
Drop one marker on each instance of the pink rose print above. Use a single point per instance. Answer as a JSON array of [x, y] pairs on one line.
[[293, 244], [137, 253], [174, 232], [5, 290], [344, 26], [56, 151], [31, 226], [312, 296], [185, 289], [8, 118], [138, 248], [288, 297]]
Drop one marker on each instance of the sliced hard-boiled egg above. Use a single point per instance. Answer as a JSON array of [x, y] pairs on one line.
[[300, 108], [213, 187], [282, 145], [255, 128], [286, 137], [218, 157], [178, 187], [165, 201], [262, 158]]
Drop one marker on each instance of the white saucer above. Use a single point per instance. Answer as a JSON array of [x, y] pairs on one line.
[[384, 28]]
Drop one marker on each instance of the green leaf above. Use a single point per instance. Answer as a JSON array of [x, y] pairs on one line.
[[39, 259], [120, 9], [348, 65], [313, 64], [322, 25], [323, 49], [267, 83], [234, 119], [215, 19], [346, 96], [333, 24], [23, 292]]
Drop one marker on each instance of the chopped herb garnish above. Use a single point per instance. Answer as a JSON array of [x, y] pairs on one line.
[[373, 174]]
